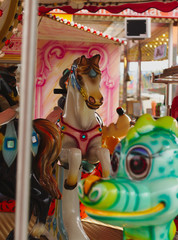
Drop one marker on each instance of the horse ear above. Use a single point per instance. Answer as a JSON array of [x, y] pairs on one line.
[[95, 59], [83, 60]]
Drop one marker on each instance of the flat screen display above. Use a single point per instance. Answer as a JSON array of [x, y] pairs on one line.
[[137, 28]]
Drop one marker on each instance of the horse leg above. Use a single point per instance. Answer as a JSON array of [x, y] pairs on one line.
[[42, 200], [102, 155], [73, 157], [71, 213], [70, 201]]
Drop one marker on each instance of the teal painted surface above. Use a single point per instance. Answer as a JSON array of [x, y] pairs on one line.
[[144, 174]]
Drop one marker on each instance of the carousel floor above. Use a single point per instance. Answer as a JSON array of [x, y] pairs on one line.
[[94, 230], [99, 231]]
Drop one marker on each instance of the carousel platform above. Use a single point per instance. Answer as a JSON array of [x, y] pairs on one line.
[[94, 230], [98, 231]]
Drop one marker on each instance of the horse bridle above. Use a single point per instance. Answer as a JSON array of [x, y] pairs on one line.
[[75, 82]]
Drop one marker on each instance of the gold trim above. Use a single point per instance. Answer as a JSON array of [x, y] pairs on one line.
[[10, 21], [10, 58], [149, 211]]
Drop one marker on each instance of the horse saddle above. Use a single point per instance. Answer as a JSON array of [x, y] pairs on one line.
[[7, 115]]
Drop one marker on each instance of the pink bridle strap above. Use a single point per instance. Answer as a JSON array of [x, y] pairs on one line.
[[83, 138]]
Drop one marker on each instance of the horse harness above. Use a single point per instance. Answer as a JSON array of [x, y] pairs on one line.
[[82, 138]]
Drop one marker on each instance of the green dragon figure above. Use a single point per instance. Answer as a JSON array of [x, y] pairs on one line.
[[141, 194]]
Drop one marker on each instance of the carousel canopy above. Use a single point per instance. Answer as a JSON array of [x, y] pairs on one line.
[[113, 6], [10, 16]]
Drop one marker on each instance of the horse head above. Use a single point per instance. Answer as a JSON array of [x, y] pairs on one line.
[[86, 77], [8, 88]]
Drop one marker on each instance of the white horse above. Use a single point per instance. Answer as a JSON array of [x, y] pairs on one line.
[[81, 139]]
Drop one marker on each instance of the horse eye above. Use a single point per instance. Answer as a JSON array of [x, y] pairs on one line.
[[115, 160], [138, 162], [79, 77]]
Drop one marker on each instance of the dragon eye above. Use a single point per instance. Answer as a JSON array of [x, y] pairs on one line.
[[115, 160], [138, 162]]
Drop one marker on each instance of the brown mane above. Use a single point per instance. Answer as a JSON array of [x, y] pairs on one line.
[[84, 67], [48, 152]]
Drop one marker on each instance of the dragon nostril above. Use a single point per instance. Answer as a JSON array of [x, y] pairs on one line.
[[80, 190], [92, 100], [95, 194]]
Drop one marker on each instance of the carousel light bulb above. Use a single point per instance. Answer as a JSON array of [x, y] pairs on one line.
[[2, 54], [15, 31], [79, 26]]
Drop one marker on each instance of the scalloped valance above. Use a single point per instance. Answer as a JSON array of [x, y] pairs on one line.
[[139, 6]]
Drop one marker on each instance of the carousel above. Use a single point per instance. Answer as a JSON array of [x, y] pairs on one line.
[[66, 123]]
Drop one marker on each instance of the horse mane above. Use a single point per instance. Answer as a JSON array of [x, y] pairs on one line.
[[63, 82], [48, 152], [8, 70], [8, 91], [84, 67]]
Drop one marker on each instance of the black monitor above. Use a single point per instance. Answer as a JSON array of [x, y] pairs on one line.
[[138, 28]]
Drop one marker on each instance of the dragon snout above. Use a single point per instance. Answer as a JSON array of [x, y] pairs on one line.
[[85, 185], [97, 192]]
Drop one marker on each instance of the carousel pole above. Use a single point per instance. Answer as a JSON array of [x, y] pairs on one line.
[[125, 74], [139, 76], [25, 119], [170, 63]]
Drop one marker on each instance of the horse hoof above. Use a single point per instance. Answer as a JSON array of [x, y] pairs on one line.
[[69, 187], [38, 230]]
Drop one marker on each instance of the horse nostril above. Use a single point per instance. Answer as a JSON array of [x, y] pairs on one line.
[[101, 100], [92, 100]]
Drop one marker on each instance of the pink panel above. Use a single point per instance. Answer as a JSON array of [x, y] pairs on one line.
[[55, 56]]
